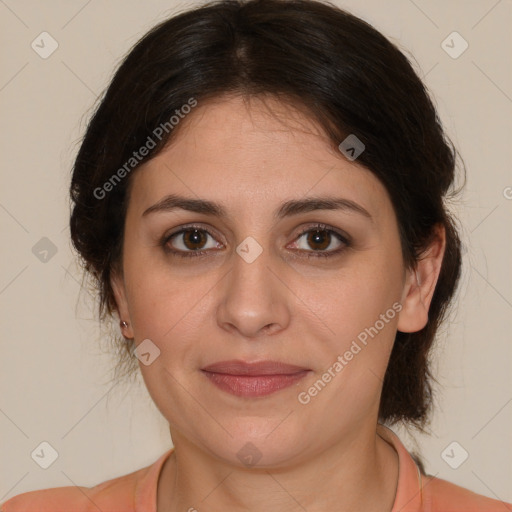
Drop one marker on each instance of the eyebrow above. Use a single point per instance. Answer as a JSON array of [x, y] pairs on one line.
[[289, 208]]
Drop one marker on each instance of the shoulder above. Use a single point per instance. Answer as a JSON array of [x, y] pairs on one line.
[[116, 494], [443, 496], [420, 492]]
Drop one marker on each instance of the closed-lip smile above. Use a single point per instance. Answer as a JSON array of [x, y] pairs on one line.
[[254, 379]]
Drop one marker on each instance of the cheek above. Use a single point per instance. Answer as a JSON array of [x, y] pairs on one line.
[[158, 296], [173, 309], [355, 298], [355, 357], [360, 308], [163, 308]]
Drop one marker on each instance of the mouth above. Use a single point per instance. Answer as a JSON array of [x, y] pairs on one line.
[[257, 379]]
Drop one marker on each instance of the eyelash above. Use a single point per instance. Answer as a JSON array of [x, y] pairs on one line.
[[309, 254]]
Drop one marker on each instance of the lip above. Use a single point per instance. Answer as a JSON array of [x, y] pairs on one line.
[[255, 379], [239, 367]]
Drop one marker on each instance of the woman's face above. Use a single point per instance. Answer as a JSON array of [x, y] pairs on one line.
[[265, 285]]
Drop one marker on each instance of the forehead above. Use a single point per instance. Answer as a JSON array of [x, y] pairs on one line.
[[256, 154]]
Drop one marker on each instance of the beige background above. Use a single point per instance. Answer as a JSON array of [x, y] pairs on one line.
[[53, 374]]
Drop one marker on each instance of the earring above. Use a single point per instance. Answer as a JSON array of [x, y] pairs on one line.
[[123, 324]]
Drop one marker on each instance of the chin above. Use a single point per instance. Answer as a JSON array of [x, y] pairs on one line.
[[259, 442]]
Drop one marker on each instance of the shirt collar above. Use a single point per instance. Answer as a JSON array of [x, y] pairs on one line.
[[147, 485], [408, 497]]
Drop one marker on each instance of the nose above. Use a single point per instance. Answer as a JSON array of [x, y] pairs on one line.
[[254, 300]]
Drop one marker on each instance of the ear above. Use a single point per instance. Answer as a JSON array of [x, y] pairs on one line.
[[118, 287], [420, 284]]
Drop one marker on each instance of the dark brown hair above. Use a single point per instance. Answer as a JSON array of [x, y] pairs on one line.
[[350, 79]]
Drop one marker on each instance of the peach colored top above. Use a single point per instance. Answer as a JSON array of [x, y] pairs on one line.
[[137, 491]]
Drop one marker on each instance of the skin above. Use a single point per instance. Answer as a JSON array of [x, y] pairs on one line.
[[282, 306]]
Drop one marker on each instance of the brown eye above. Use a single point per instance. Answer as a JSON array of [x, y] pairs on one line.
[[194, 239], [190, 240], [320, 240]]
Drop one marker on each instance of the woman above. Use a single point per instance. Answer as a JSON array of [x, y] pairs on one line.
[[260, 196]]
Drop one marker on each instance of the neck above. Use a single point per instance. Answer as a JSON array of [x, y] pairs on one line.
[[354, 475]]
